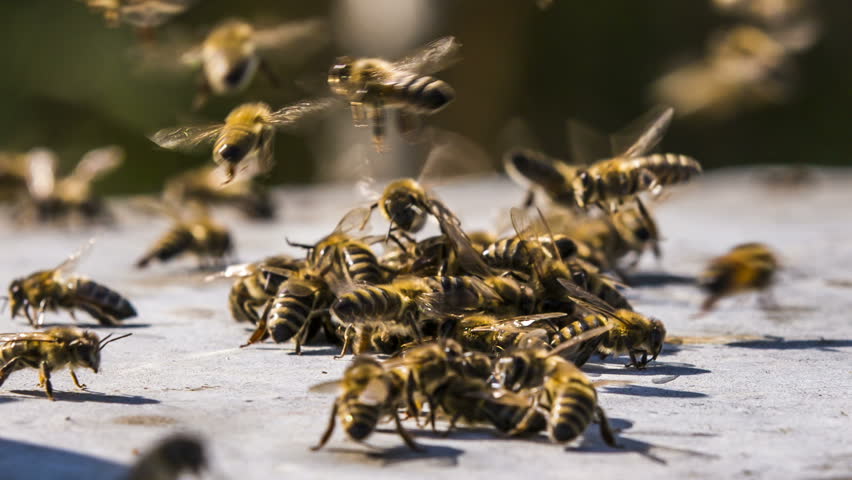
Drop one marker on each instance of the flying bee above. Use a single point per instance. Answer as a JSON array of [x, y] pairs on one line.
[[746, 267], [67, 198], [14, 169], [294, 310], [372, 85], [48, 290], [206, 185], [198, 234], [246, 137], [369, 392], [169, 458], [52, 349], [142, 14], [230, 55]]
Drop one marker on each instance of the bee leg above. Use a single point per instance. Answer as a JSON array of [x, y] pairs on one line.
[[455, 418], [377, 118], [260, 332], [44, 380], [523, 425], [633, 362], [708, 304], [329, 429], [606, 430], [529, 199], [359, 113], [411, 405], [347, 341], [73, 316], [81, 386], [202, 95], [29, 314], [302, 334], [406, 437], [41, 308], [270, 74], [7, 369]]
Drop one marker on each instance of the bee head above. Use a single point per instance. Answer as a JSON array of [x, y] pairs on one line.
[[339, 75], [17, 296], [403, 206], [509, 371], [86, 351], [565, 246], [183, 453], [656, 338]]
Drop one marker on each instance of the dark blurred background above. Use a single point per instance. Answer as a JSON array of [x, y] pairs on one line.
[[71, 83]]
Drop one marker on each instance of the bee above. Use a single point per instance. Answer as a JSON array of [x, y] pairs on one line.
[[52, 289], [372, 85], [246, 137], [494, 335], [142, 14], [13, 174], [369, 393], [52, 349], [255, 284], [199, 235], [746, 267], [519, 255], [169, 458], [206, 185], [230, 55], [70, 197], [293, 311]]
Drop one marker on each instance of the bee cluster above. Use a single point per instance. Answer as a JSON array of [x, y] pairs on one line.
[[478, 327]]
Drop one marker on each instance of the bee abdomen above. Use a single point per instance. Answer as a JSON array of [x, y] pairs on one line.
[[239, 303], [368, 303], [362, 264], [359, 420], [572, 411], [509, 254], [424, 93], [172, 244], [287, 316], [670, 168], [105, 300]]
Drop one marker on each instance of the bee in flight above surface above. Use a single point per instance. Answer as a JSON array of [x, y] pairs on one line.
[[230, 55], [51, 290], [68, 198], [169, 458], [145, 15], [747, 267], [373, 85], [50, 350], [246, 136], [205, 185]]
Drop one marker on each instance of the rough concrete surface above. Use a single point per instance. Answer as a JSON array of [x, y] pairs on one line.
[[772, 408]]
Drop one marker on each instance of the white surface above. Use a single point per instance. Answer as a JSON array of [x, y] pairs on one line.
[[778, 409]]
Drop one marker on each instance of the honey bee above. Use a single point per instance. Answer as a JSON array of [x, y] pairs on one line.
[[199, 235], [293, 311], [372, 85], [169, 458], [255, 284], [369, 393], [206, 185], [52, 349], [70, 197], [231, 53], [47, 290], [494, 335], [13, 174], [143, 14], [746, 267], [246, 137]]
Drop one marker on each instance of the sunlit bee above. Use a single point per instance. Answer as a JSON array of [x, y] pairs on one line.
[[169, 458], [142, 14], [373, 85], [205, 185], [245, 138], [747, 267], [197, 234]]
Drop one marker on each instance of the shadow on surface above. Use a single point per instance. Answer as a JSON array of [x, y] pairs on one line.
[[654, 369], [643, 391], [592, 442], [828, 345], [441, 455], [19, 460], [88, 396], [658, 279]]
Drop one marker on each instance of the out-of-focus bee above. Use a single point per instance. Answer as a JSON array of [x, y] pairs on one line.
[[368, 393], [13, 174], [255, 284], [747, 267], [207, 185], [169, 458], [230, 54], [246, 136], [47, 290], [142, 14], [50, 350], [372, 85], [70, 197], [771, 12], [294, 310], [199, 235]]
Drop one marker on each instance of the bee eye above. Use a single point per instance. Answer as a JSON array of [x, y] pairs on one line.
[[643, 234], [231, 153]]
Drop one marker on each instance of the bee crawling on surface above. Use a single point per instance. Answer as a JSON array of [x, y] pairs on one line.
[[52, 289], [245, 138], [373, 85], [50, 350], [747, 267], [255, 284], [169, 458]]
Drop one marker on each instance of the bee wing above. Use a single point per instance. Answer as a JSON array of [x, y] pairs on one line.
[[291, 114], [25, 337], [331, 386], [431, 58], [309, 35], [574, 341], [186, 138], [353, 220], [643, 134], [71, 262], [587, 144], [469, 259], [240, 270], [375, 393], [152, 13], [97, 163], [452, 155], [586, 299], [41, 172], [527, 320]]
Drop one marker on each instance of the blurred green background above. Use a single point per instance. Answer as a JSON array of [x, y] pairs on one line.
[[71, 83]]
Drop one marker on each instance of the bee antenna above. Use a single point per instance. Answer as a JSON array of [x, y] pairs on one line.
[[299, 245], [106, 340]]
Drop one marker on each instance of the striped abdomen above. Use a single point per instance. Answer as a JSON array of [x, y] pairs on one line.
[[175, 242], [509, 254], [514, 296], [421, 94], [242, 301], [573, 406], [370, 303], [104, 304], [361, 263], [289, 313], [669, 168], [358, 419], [580, 354]]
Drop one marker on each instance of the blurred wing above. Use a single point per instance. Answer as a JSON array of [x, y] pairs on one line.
[[355, 219], [186, 138], [643, 134], [581, 338], [452, 155], [469, 259], [431, 58], [289, 115], [587, 144], [309, 35], [73, 259], [331, 386], [25, 337], [585, 299], [527, 320], [41, 172], [375, 393], [240, 270], [151, 13], [97, 163]]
